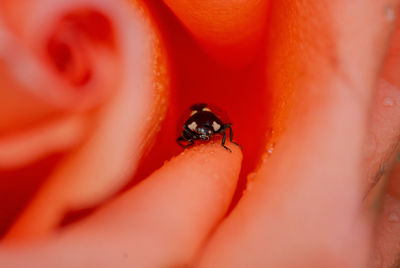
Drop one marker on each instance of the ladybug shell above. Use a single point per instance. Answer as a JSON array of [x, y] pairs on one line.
[[205, 118], [197, 114]]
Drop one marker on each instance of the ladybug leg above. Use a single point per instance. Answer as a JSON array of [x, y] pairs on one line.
[[224, 139], [188, 137], [190, 133], [182, 139], [190, 143], [179, 141], [228, 126]]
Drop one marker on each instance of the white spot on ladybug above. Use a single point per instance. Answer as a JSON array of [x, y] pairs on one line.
[[192, 126], [193, 112], [206, 109], [216, 126]]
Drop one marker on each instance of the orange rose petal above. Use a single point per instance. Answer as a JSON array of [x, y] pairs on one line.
[[34, 94], [120, 128], [162, 222], [391, 68], [21, 149], [382, 148], [302, 207], [232, 31]]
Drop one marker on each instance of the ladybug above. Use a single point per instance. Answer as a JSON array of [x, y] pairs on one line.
[[202, 125]]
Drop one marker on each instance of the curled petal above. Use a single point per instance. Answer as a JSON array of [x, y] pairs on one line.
[[96, 59]]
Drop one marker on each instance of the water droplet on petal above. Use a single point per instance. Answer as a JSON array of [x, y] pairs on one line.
[[271, 148], [390, 14], [250, 181], [376, 260], [267, 154], [370, 147], [251, 176], [249, 186], [388, 102], [393, 217]]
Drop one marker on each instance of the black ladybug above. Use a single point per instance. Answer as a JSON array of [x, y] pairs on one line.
[[202, 125]]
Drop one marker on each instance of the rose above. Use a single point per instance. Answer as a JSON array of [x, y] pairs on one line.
[[75, 68], [306, 198]]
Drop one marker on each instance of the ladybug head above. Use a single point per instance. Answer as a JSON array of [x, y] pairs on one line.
[[205, 132]]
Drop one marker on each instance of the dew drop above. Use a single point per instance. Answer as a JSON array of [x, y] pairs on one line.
[[393, 217], [270, 133], [251, 176], [390, 14], [370, 147], [270, 149], [162, 68], [249, 186], [250, 182], [267, 154], [4, 39], [388, 102], [377, 260]]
